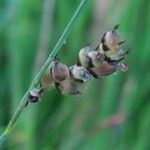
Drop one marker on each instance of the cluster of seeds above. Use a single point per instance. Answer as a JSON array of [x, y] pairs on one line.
[[102, 61]]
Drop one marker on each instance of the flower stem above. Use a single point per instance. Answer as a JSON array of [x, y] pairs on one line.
[[36, 79]]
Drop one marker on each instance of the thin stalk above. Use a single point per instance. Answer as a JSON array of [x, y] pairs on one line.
[[36, 79]]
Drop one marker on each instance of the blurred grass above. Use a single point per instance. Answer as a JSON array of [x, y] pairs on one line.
[[61, 122]]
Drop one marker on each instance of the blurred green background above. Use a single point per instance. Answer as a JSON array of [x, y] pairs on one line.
[[112, 114]]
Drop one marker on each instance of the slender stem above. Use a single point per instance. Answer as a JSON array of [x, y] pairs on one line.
[[36, 79]]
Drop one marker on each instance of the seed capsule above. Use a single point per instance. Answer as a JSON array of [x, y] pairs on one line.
[[90, 58], [35, 95], [80, 74], [97, 58], [107, 69], [59, 71], [69, 87], [115, 56], [83, 58], [111, 40], [46, 79]]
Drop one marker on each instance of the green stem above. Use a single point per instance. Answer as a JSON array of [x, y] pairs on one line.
[[36, 79]]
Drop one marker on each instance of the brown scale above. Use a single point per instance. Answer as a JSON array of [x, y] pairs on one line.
[[59, 72]]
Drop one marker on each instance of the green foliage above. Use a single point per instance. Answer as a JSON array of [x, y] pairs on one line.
[[64, 122]]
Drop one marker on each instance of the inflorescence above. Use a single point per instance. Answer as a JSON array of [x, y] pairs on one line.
[[102, 61]]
